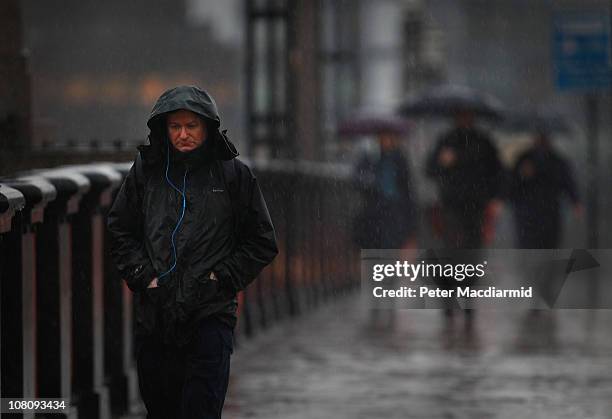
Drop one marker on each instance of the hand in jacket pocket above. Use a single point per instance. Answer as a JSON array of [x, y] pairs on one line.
[[207, 288]]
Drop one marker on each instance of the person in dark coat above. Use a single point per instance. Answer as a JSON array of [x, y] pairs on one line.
[[388, 219], [189, 229], [468, 172], [539, 181], [466, 167]]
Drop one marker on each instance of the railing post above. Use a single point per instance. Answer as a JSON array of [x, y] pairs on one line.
[[37, 193], [56, 261], [291, 249], [11, 203], [88, 288], [118, 331]]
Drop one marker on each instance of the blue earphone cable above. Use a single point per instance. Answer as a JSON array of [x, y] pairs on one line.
[[180, 220]]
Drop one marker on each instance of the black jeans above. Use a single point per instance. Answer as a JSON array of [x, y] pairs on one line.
[[463, 227], [186, 382]]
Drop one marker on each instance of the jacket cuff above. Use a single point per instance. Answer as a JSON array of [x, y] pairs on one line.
[[140, 277], [225, 278]]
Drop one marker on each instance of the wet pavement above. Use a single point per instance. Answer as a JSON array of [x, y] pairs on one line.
[[337, 362]]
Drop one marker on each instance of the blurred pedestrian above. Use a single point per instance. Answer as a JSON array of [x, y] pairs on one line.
[[189, 229], [468, 172], [388, 219], [540, 179]]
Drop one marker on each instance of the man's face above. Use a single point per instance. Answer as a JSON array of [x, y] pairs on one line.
[[388, 141], [464, 119], [186, 130]]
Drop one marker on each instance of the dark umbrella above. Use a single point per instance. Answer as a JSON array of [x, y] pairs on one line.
[[373, 124], [540, 120], [449, 99]]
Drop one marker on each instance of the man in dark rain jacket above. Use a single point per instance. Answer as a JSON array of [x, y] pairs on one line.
[[189, 229]]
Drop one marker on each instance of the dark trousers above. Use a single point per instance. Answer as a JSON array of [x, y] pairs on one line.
[[538, 230], [186, 382], [463, 227]]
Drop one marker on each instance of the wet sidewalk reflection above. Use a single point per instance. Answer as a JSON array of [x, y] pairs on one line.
[[341, 363]]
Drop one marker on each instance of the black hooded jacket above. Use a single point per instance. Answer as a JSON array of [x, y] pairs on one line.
[[226, 228]]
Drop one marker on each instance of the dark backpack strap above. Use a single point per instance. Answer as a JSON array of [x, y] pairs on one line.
[[138, 165], [140, 178], [232, 183]]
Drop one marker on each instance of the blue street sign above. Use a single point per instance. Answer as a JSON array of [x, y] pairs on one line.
[[581, 51]]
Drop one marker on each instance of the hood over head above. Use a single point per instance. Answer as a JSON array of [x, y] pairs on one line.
[[196, 100]]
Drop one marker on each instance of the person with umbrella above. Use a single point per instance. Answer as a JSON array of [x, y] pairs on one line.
[[468, 172], [539, 180], [388, 217], [466, 168], [464, 163]]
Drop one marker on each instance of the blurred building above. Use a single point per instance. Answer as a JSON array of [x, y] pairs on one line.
[[97, 67], [312, 63], [14, 81], [319, 60]]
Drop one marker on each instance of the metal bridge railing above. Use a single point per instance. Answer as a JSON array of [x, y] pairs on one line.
[[66, 315]]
